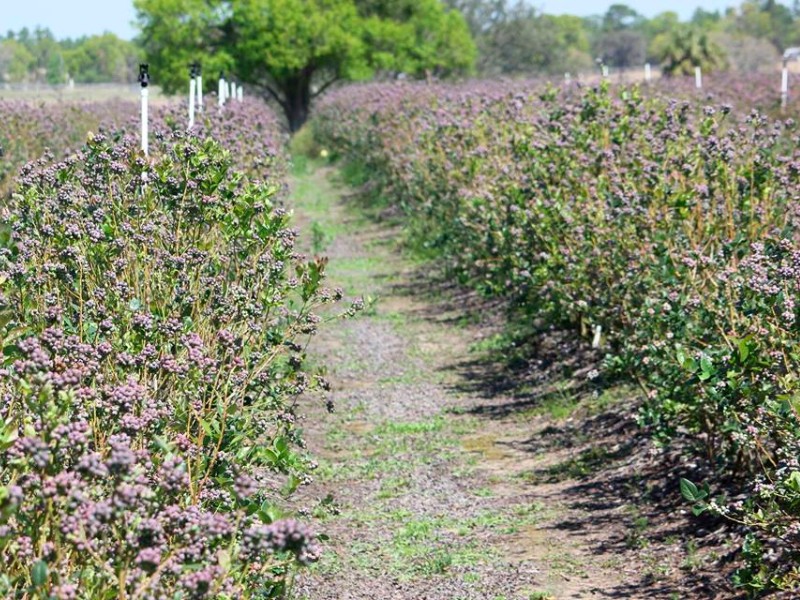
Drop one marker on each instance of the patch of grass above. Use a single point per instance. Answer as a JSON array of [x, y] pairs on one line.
[[559, 404], [303, 145], [606, 399], [359, 274], [389, 449], [484, 445], [564, 562], [492, 343], [320, 238], [327, 507], [398, 320], [393, 428], [587, 462], [300, 165], [355, 174], [424, 546], [392, 487], [566, 399], [635, 536]]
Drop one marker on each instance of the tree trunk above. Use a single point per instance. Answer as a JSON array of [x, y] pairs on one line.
[[298, 101]]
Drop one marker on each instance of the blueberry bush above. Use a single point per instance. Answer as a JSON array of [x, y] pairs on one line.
[[666, 220], [154, 320]]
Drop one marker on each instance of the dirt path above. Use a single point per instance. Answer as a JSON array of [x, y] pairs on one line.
[[435, 482]]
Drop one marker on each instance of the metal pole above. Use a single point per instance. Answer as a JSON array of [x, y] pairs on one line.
[[144, 81]]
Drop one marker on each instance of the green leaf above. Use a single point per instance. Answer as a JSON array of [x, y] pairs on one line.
[[793, 481], [206, 427], [291, 485], [13, 351], [281, 444], [706, 368], [689, 490], [39, 573], [270, 455], [681, 356], [744, 350]]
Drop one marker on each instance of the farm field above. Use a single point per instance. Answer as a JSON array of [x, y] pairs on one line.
[[499, 340], [153, 318], [658, 226], [442, 476]]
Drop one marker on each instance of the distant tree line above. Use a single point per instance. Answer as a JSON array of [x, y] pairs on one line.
[[291, 51], [513, 38], [36, 56]]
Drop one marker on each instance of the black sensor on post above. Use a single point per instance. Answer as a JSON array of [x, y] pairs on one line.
[[144, 74]]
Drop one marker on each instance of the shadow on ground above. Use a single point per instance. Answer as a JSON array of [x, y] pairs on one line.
[[613, 480]]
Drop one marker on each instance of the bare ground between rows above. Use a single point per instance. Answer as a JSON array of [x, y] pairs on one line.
[[442, 477]]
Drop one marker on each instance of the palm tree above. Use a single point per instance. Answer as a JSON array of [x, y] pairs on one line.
[[689, 48]]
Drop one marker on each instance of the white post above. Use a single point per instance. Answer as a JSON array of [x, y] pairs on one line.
[[605, 70], [784, 85], [221, 93], [698, 78], [240, 93], [192, 94], [647, 73], [566, 77], [144, 121], [200, 93]]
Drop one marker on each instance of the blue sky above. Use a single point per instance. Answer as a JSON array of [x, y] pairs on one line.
[[649, 8], [73, 18]]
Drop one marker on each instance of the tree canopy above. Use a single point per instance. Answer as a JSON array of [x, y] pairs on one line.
[[36, 56], [292, 50]]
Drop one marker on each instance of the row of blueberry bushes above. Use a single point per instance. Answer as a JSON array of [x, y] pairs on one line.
[[154, 320], [666, 229]]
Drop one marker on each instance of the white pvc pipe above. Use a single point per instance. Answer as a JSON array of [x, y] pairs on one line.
[[145, 145], [192, 94], [647, 73], [698, 78], [605, 71], [200, 93], [784, 86], [221, 93], [239, 93]]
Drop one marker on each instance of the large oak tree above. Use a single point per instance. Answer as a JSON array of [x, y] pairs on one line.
[[292, 50]]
